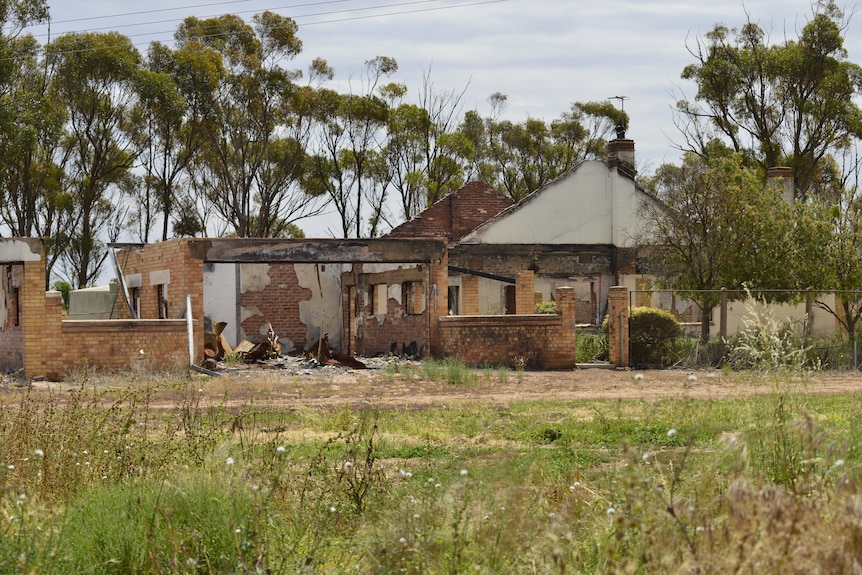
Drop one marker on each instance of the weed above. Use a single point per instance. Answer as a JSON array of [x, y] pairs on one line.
[[450, 370]]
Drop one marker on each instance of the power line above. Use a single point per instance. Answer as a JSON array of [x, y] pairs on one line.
[[312, 15], [154, 11], [151, 22]]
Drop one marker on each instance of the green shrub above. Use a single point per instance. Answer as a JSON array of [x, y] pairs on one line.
[[546, 307], [653, 333], [591, 347]]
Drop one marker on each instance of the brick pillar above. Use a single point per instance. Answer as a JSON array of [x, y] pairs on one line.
[[566, 306], [618, 325], [525, 295], [58, 362], [469, 295], [32, 304], [417, 303], [438, 299], [191, 269]]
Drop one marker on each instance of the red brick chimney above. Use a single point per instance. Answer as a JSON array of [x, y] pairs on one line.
[[621, 152]]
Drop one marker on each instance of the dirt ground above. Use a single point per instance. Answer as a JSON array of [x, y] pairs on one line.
[[327, 389], [293, 386]]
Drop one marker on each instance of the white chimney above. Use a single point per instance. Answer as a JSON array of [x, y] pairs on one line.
[[781, 178]]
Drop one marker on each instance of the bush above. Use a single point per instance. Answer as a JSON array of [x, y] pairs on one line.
[[546, 307], [653, 333], [591, 347], [767, 344]]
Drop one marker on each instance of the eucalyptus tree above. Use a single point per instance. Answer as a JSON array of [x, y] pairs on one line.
[[253, 151], [517, 158], [789, 103], [719, 225], [173, 94], [426, 153], [348, 150], [94, 75], [839, 270]]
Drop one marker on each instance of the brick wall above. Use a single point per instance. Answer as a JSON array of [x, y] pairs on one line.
[[373, 333], [543, 341], [525, 295], [116, 345], [455, 215], [279, 304], [186, 278], [33, 318], [618, 326], [112, 345]]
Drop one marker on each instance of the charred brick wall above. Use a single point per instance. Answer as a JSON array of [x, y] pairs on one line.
[[556, 261], [372, 332]]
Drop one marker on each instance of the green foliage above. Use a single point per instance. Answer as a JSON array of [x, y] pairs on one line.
[[546, 307], [652, 333], [187, 525], [787, 103], [720, 226], [64, 288], [450, 370], [591, 347], [519, 158]]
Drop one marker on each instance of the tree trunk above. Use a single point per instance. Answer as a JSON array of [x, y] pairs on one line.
[[705, 309]]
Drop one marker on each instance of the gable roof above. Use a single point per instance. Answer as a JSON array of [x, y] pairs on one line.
[[456, 214], [593, 203]]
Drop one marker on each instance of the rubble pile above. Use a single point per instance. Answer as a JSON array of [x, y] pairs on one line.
[[219, 356]]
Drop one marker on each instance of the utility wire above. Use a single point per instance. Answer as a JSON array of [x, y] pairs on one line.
[[154, 11], [330, 21]]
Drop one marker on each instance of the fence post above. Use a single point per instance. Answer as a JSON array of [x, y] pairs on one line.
[[809, 312], [722, 323]]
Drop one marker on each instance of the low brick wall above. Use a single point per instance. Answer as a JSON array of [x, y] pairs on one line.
[[115, 345], [540, 340]]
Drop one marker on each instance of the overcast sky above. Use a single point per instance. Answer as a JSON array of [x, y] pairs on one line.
[[543, 54]]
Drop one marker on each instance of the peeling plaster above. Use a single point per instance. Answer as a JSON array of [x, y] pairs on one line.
[[249, 311], [220, 298], [380, 268], [254, 277], [394, 292], [14, 250], [322, 312]]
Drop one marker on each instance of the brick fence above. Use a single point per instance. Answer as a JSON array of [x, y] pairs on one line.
[[540, 341]]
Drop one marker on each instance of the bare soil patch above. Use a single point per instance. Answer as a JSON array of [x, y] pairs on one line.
[[327, 388]]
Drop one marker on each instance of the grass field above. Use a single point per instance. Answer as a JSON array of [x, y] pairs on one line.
[[101, 479]]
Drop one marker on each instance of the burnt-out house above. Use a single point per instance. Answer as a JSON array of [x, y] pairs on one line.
[[365, 296], [580, 230]]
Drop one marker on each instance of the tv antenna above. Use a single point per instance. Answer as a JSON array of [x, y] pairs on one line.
[[622, 100]]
